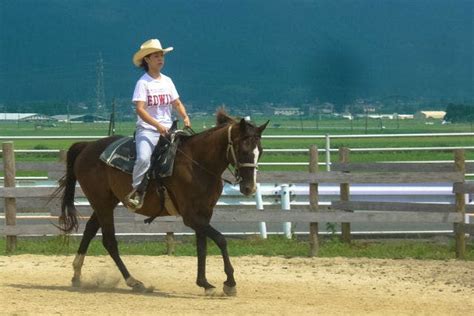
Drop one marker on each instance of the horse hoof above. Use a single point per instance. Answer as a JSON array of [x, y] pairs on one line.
[[230, 290], [210, 291], [149, 289], [76, 282], [141, 288], [138, 286]]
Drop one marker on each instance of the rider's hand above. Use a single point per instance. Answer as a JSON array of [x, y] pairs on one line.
[[162, 129], [187, 121]]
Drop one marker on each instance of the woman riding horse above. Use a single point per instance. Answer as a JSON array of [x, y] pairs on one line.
[[194, 189]]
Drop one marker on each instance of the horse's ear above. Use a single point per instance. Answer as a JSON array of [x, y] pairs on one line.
[[242, 125], [262, 127]]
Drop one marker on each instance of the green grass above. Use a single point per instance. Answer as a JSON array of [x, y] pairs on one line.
[[273, 246], [286, 127], [278, 126]]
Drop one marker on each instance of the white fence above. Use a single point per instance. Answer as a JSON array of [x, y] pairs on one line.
[[346, 210], [327, 147]]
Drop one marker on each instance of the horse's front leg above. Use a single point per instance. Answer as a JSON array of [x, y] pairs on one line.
[[201, 244], [230, 284]]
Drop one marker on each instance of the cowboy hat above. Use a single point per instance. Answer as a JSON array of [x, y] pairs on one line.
[[147, 48]]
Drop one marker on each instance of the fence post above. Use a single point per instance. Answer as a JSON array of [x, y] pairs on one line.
[[328, 153], [170, 243], [62, 156], [344, 195], [9, 181], [259, 204], [313, 201], [459, 164], [285, 206]]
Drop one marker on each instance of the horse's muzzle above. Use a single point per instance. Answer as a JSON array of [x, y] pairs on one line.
[[248, 189]]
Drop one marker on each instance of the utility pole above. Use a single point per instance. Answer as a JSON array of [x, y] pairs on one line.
[[100, 90], [366, 119], [112, 119], [318, 118], [68, 119]]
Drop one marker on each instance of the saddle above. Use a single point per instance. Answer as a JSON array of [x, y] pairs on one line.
[[121, 154]]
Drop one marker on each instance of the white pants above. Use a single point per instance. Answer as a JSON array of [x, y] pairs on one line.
[[146, 141]]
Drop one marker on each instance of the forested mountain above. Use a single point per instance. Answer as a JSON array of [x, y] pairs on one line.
[[239, 52]]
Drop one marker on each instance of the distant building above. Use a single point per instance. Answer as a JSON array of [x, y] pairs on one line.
[[439, 115], [386, 116], [24, 117], [82, 118], [287, 111], [371, 116], [324, 108], [405, 116]]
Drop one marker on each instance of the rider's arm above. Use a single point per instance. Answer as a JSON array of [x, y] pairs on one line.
[[140, 108], [179, 106]]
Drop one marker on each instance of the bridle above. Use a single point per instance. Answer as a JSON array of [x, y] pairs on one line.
[[230, 148], [236, 163]]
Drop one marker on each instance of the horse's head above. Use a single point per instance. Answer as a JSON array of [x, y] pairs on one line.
[[244, 151]]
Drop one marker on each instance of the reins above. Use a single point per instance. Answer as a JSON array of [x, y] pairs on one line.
[[230, 148]]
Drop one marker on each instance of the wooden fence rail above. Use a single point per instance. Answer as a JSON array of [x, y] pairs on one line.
[[343, 211]]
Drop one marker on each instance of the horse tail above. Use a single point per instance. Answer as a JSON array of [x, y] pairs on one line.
[[67, 186]]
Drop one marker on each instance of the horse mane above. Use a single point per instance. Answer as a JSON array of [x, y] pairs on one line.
[[222, 117]]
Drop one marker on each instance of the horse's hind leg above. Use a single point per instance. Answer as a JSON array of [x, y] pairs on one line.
[[90, 231], [110, 243]]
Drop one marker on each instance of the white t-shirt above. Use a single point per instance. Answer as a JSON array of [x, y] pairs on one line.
[[157, 95]]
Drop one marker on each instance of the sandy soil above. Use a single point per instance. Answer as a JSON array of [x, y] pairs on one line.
[[33, 285]]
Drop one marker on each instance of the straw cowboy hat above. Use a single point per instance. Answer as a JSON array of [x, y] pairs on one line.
[[147, 48]]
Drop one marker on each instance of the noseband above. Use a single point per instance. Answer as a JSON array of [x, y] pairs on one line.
[[237, 164]]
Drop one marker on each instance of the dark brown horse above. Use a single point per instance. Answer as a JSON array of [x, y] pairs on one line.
[[194, 188]]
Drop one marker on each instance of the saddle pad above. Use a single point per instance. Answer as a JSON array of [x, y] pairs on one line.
[[120, 154]]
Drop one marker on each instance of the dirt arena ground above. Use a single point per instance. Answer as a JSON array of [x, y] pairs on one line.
[[40, 285]]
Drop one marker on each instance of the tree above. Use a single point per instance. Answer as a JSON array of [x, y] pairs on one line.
[[459, 113]]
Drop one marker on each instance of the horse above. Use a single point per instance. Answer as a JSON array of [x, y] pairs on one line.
[[194, 188]]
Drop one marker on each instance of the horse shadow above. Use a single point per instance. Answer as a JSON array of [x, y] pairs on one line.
[[128, 292]]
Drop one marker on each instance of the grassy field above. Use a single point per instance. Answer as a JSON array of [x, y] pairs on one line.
[[279, 126], [273, 246]]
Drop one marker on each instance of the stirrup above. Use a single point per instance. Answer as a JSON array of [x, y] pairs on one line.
[[134, 200]]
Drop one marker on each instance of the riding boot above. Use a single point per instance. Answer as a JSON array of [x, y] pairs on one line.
[[134, 200]]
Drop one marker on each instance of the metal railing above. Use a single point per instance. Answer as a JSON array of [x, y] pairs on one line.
[[327, 146]]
